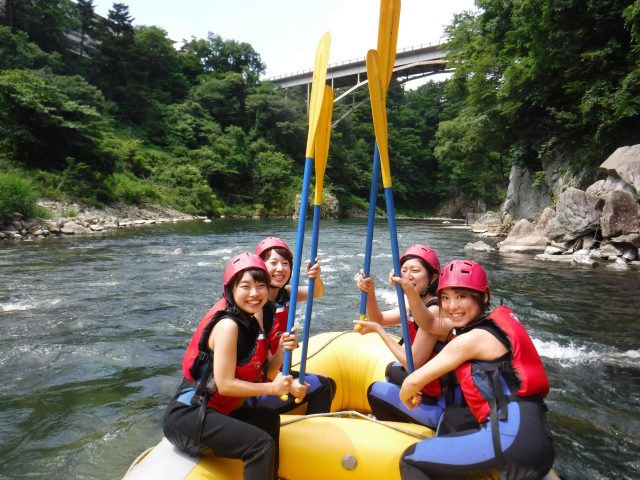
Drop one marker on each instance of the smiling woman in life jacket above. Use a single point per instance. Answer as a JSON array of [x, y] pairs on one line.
[[227, 361], [420, 267], [317, 391], [503, 381]]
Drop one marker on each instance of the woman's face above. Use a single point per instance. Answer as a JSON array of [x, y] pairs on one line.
[[461, 306], [250, 295], [414, 271], [279, 269]]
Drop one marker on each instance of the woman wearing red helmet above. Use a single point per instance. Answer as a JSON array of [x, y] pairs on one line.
[[503, 382], [317, 391], [207, 411], [419, 278]]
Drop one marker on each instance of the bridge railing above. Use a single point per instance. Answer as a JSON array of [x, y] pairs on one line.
[[352, 60]]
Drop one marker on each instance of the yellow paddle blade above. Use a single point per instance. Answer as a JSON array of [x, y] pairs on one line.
[[317, 88], [379, 114], [323, 133], [388, 39]]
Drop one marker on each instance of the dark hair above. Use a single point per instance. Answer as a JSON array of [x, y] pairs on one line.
[[283, 252], [432, 288]]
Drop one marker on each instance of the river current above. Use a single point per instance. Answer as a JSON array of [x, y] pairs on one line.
[[92, 331]]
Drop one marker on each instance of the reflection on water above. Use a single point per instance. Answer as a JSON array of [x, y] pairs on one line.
[[92, 332]]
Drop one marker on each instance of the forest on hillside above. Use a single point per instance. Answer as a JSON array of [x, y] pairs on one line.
[[130, 117]]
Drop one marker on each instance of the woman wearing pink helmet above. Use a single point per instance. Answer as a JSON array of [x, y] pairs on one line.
[[317, 391], [420, 267], [503, 382], [207, 411]]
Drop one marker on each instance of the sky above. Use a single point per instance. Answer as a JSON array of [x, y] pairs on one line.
[[285, 33]]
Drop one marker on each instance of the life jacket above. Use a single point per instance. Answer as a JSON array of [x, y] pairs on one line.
[[280, 321], [434, 388], [252, 350], [521, 370]]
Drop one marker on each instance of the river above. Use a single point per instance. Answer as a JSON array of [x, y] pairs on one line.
[[92, 331]]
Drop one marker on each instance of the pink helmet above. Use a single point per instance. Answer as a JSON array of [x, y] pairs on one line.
[[269, 243], [464, 274], [425, 253], [239, 263]]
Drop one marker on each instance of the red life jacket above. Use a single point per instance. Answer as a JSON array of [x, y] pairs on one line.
[[434, 388], [280, 322], [249, 366], [523, 372]]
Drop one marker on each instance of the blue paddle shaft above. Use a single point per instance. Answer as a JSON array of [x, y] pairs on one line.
[[395, 253], [297, 258], [373, 195], [310, 290]]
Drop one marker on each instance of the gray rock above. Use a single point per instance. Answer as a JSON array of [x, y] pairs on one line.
[[619, 264], [577, 214], [72, 228], [479, 247], [524, 200], [630, 254], [570, 259], [624, 163], [524, 238], [610, 251], [620, 215]]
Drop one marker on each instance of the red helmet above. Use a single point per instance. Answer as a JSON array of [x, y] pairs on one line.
[[269, 243], [464, 274], [239, 263], [425, 253]]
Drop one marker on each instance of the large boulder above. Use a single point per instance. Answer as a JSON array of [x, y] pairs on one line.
[[524, 199], [577, 214], [547, 214], [524, 238], [624, 163], [620, 215], [602, 187], [489, 225]]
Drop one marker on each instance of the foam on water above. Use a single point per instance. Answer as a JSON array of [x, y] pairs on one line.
[[571, 354], [16, 306], [218, 252], [390, 297]]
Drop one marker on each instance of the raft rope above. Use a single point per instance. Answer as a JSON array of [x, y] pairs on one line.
[[348, 413], [343, 414], [322, 347], [354, 414]]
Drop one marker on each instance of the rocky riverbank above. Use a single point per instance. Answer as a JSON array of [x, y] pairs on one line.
[[598, 225], [74, 219]]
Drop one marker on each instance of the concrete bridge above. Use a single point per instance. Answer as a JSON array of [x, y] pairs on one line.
[[411, 63]]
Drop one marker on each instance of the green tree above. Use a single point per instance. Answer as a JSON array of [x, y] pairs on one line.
[[272, 181], [222, 96], [86, 16], [46, 22], [218, 55], [112, 62], [18, 53], [158, 66], [45, 120], [277, 119]]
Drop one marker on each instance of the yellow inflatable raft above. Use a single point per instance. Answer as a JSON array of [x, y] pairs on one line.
[[344, 444]]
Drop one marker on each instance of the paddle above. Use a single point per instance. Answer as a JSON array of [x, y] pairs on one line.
[[387, 38], [380, 126], [315, 103], [323, 134]]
